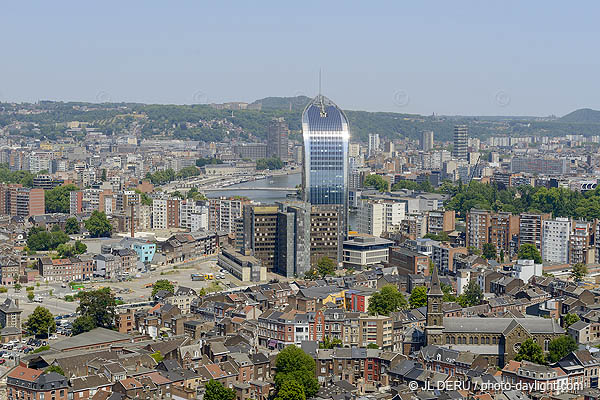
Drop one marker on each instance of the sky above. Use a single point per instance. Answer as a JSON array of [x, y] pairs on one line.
[[457, 57]]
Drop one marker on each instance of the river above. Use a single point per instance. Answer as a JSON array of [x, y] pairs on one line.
[[247, 189], [269, 196]]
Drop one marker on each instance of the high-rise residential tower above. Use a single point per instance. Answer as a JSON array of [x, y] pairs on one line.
[[325, 173], [277, 145], [461, 138], [374, 143], [427, 140]]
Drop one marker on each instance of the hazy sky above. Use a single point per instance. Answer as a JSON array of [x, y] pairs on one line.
[[447, 57]]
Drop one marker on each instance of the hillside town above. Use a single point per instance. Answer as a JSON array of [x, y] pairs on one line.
[[294, 268]]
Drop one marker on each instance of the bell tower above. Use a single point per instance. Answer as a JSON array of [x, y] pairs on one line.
[[434, 329]]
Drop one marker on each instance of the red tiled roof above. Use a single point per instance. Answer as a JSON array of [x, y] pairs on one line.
[[130, 383], [25, 374]]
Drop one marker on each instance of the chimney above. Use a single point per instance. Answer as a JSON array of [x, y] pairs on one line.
[[16, 303], [132, 222]]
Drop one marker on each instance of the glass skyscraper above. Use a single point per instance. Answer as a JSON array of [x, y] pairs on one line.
[[326, 135]]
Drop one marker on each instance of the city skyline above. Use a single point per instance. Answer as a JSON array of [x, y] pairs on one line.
[[451, 59]]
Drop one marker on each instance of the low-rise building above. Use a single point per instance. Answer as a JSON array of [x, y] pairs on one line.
[[246, 268]]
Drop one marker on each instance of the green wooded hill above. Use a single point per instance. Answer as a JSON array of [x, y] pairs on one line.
[[582, 116], [48, 120]]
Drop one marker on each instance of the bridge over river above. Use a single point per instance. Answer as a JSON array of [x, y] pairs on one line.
[[237, 188]]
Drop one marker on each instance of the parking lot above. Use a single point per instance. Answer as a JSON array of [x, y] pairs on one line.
[[52, 296]]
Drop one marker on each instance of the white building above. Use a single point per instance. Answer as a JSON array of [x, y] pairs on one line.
[[555, 240], [193, 215], [374, 143], [377, 217], [525, 269], [463, 277]]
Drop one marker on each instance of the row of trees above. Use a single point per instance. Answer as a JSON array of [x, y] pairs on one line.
[[168, 175], [557, 349], [560, 202], [269, 163]]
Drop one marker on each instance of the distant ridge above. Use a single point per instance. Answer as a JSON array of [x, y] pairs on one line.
[[582, 116], [283, 103]]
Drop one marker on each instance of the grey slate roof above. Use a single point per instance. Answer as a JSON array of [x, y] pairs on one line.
[[500, 325]]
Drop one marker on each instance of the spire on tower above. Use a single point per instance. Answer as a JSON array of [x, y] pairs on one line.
[[436, 287]]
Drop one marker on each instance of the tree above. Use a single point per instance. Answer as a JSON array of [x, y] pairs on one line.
[[531, 351], [269, 163], [30, 296], [216, 391], [291, 390], [98, 225], [387, 300], [418, 297], [325, 267], [40, 239], [201, 162], [54, 368], [448, 293], [71, 226], [372, 346], [65, 251], [560, 347], [80, 247], [40, 322], [157, 356], [441, 237], [97, 309], [569, 320], [376, 181], [82, 324], [579, 272], [18, 287], [293, 363], [58, 199], [489, 251], [162, 284], [472, 295], [328, 343], [528, 251]]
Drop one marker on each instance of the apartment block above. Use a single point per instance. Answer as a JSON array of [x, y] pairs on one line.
[[442, 256], [378, 216], [223, 212], [441, 221], [555, 240], [531, 228], [165, 213], [25, 202]]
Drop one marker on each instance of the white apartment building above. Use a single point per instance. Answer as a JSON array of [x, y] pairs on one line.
[[374, 143], [193, 215], [377, 217], [555, 240]]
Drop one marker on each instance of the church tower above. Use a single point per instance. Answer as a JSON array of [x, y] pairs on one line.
[[435, 315]]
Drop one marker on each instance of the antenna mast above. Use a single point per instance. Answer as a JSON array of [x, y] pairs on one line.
[[321, 103]]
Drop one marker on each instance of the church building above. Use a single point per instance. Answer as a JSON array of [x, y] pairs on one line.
[[497, 339]]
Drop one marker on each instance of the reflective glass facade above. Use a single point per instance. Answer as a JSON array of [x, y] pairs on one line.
[[326, 135]]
